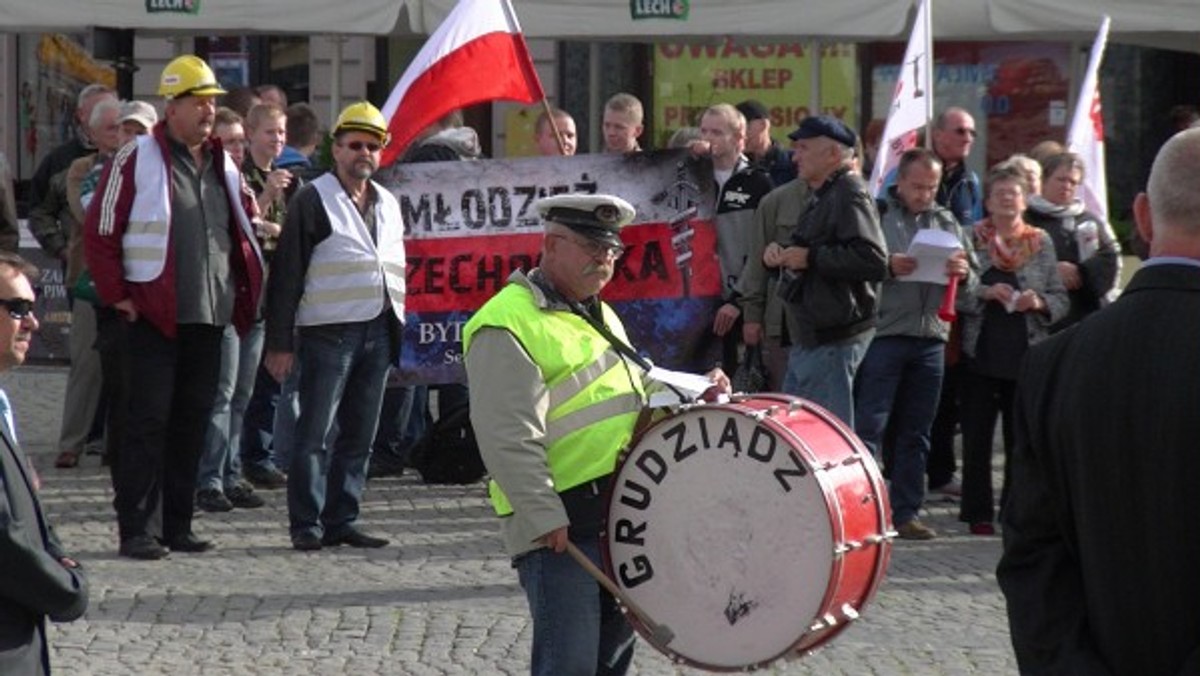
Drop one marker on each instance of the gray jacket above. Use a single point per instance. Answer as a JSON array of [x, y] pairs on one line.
[[911, 308], [1040, 274], [774, 219]]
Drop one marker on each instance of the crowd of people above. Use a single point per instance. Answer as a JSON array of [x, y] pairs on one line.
[[237, 309]]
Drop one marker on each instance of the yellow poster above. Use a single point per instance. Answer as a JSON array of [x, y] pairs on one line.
[[690, 77]]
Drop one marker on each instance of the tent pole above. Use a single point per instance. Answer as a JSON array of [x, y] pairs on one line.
[[814, 63], [335, 77], [595, 114]]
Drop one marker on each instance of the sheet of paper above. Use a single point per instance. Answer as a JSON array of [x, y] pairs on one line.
[[689, 384], [932, 248]]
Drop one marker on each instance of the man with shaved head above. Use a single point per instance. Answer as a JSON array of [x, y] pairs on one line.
[[1100, 543]]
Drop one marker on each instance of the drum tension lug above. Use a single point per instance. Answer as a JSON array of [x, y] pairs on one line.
[[825, 622], [849, 612], [758, 416]]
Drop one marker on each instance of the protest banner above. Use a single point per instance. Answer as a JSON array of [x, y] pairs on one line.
[[469, 225]]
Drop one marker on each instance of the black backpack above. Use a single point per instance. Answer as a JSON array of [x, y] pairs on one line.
[[448, 453]]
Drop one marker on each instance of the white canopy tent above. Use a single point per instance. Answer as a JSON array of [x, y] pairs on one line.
[[1167, 24], [1171, 24]]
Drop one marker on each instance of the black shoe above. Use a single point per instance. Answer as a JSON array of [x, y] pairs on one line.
[[189, 543], [306, 542], [242, 496], [143, 547], [213, 500], [267, 479], [353, 538], [383, 465]]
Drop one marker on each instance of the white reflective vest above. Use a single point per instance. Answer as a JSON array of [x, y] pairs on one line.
[[350, 278], [147, 236]]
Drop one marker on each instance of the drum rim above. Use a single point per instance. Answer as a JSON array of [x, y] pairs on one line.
[[837, 561]]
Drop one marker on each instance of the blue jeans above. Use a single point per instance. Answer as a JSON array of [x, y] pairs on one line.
[[825, 374], [220, 464], [258, 425], [577, 628], [343, 369], [900, 380], [287, 411]]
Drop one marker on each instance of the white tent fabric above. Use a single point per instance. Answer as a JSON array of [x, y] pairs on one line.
[[1169, 24], [365, 17]]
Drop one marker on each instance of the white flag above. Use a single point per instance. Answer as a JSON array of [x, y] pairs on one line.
[[1086, 136], [912, 101]]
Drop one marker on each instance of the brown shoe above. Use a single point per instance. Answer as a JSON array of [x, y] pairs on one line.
[[67, 459], [915, 530]]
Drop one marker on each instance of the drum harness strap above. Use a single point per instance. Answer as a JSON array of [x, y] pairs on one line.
[[622, 348]]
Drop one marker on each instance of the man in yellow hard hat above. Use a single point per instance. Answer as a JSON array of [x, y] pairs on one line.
[[337, 277], [170, 245]]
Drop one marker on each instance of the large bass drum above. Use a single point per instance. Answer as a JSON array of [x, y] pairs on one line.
[[755, 530]]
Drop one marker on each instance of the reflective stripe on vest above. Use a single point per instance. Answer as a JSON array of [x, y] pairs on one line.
[[147, 236], [350, 277], [594, 396]]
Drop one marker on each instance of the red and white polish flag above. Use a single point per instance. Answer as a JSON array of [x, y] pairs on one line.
[[1086, 136], [477, 54]]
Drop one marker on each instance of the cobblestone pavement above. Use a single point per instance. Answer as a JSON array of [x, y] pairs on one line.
[[442, 599]]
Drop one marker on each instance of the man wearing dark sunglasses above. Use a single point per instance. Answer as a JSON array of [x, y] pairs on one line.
[[171, 247], [337, 280], [39, 580]]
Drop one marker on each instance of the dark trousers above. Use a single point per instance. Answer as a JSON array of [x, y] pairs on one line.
[[941, 464], [258, 424], [111, 343], [982, 399], [172, 386]]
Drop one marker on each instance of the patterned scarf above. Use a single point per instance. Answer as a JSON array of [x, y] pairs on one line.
[[1011, 252]]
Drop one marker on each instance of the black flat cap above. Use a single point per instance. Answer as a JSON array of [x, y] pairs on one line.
[[815, 126], [753, 110]]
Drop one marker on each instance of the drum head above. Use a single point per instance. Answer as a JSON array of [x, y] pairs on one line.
[[719, 529]]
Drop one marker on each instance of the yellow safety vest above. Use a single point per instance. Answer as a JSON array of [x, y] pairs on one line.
[[594, 395]]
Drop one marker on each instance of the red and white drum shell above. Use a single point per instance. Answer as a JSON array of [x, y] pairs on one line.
[[755, 530]]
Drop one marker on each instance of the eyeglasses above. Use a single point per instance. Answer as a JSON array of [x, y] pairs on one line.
[[18, 308], [357, 146], [964, 131], [597, 249]]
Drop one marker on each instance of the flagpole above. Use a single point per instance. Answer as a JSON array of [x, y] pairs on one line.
[[930, 71], [562, 145], [511, 15]]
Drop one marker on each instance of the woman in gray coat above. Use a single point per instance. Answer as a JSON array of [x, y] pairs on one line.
[[1019, 296]]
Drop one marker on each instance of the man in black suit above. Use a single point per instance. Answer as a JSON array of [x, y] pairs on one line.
[[1101, 544], [36, 578]]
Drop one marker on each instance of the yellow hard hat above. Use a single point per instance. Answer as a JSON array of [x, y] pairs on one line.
[[362, 116], [188, 75]]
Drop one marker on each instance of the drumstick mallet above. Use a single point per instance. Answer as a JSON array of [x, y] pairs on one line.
[[660, 633]]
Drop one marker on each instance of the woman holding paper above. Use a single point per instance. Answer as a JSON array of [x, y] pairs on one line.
[[1088, 254], [1019, 296]]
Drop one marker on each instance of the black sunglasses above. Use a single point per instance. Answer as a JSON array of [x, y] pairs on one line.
[[357, 146], [18, 308]]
